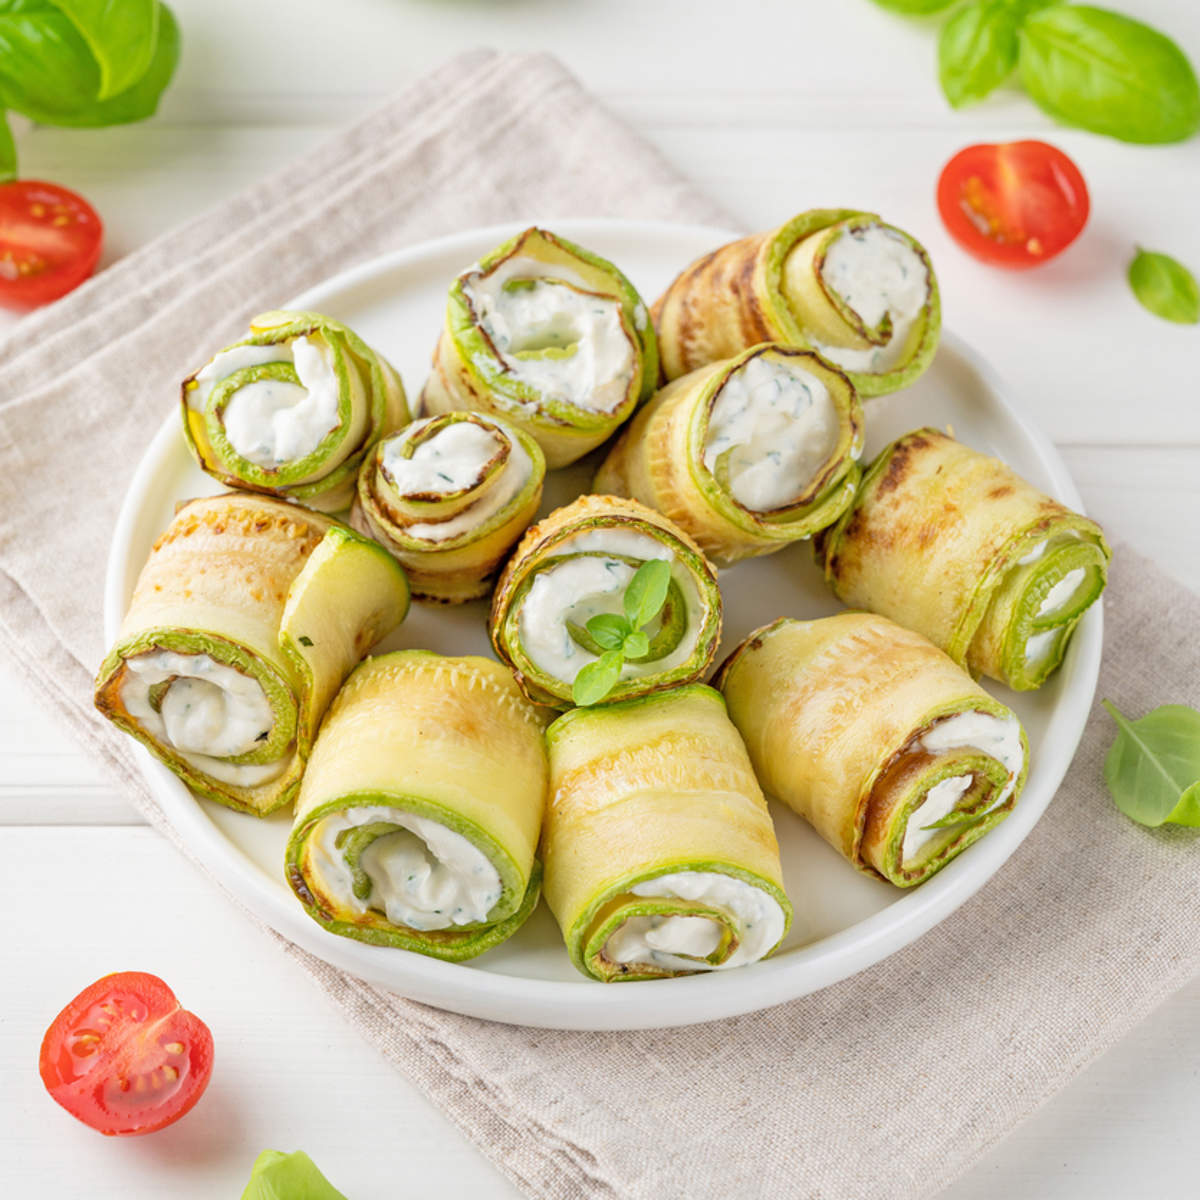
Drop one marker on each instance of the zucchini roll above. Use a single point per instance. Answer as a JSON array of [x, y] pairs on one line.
[[747, 454], [245, 619], [660, 853], [448, 496], [891, 751], [955, 545], [292, 409], [575, 564], [419, 815], [842, 282], [550, 336]]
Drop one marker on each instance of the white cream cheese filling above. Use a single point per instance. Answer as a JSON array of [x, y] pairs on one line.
[[877, 272], [939, 802], [210, 712], [424, 876], [452, 461], [778, 425], [681, 943], [580, 588], [1062, 592], [997, 737], [1039, 645], [592, 358], [271, 422]]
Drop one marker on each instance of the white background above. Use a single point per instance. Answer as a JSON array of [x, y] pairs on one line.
[[772, 106]]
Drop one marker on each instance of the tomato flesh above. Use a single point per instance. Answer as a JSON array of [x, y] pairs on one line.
[[49, 242], [124, 1057], [1016, 205]]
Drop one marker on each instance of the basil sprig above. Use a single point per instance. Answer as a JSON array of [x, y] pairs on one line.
[[915, 8], [82, 63], [1153, 768], [1088, 67], [1165, 287], [279, 1176], [622, 637]]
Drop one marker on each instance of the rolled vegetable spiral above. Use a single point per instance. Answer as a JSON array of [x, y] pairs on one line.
[[550, 336], [861, 292], [660, 854], [747, 454], [957, 546], [292, 409], [246, 618], [420, 811], [894, 754], [448, 496], [577, 563]]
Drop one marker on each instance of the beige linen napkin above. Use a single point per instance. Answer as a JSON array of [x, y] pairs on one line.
[[887, 1085]]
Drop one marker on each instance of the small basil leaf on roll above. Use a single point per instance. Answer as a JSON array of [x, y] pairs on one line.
[[576, 565]]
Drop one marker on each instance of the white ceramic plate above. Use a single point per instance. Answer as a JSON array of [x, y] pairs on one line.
[[844, 921]]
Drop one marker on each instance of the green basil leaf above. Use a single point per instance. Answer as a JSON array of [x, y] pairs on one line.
[[1108, 73], [45, 64], [647, 592], [636, 645], [915, 8], [279, 1176], [8, 151], [977, 50], [597, 679], [120, 34], [608, 630], [1165, 287], [135, 103], [1187, 811], [1153, 767]]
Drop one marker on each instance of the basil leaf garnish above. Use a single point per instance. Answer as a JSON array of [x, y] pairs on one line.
[[977, 50], [609, 630], [1108, 73], [1165, 287], [1153, 768], [915, 8], [647, 592], [598, 678]]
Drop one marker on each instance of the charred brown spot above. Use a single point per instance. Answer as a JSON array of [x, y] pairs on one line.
[[307, 898], [929, 533], [900, 463], [1001, 490]]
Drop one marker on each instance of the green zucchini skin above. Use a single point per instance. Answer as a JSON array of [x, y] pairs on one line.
[[956, 545]]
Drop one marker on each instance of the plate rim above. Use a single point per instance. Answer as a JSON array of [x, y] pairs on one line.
[[582, 1004]]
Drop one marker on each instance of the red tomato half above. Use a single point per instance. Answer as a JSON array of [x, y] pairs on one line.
[[49, 242], [1016, 205], [124, 1058]]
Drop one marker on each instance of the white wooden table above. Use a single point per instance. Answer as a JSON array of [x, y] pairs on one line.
[[773, 106]]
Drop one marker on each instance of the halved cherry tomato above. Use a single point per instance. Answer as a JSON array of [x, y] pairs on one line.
[[123, 1056], [49, 242], [1016, 205]]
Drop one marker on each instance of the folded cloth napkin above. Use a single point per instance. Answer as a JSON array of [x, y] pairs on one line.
[[887, 1085]]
